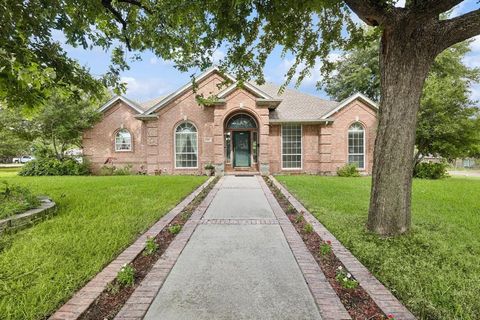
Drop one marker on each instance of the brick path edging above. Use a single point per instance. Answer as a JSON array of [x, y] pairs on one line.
[[328, 303], [137, 305], [385, 300], [82, 300]]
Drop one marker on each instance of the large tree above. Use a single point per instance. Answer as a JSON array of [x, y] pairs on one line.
[[188, 31], [448, 120], [55, 127]]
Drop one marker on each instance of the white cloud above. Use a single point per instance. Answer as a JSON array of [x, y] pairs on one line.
[[141, 89], [153, 60]]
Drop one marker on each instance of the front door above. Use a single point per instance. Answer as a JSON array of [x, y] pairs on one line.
[[241, 148]]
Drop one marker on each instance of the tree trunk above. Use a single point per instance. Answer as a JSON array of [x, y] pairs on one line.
[[405, 59]]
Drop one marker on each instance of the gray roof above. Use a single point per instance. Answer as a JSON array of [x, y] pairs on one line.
[[150, 103], [296, 105]]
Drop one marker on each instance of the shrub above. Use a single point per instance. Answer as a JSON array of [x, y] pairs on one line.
[[430, 170], [308, 228], [15, 199], [55, 167], [109, 170], [126, 276], [348, 170], [150, 246], [175, 229], [325, 247], [346, 279]]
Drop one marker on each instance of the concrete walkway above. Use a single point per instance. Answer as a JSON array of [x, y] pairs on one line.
[[236, 265]]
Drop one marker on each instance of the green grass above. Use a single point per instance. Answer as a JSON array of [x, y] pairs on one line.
[[41, 267], [435, 269]]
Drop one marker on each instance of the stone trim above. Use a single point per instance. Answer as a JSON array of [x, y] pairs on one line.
[[328, 303], [82, 300], [137, 305], [28, 218], [385, 300]]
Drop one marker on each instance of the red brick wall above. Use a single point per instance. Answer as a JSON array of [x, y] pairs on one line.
[[99, 142], [324, 146]]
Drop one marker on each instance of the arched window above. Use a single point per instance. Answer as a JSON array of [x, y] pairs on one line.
[[241, 121], [186, 153], [356, 145], [123, 140]]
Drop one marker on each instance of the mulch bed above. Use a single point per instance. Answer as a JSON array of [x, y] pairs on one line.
[[112, 299], [358, 303]]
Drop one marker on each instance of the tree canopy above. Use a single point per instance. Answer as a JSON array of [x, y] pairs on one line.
[[189, 31]]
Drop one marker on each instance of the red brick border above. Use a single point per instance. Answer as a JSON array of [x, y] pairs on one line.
[[329, 305], [385, 300], [82, 300], [137, 305]]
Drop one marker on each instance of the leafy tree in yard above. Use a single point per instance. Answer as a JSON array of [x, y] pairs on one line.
[[57, 126], [189, 31], [11, 145], [448, 122]]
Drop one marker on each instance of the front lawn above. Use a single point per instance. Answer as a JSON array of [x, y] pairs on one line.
[[434, 269], [41, 267]]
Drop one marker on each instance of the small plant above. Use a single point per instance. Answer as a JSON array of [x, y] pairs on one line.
[[299, 218], [348, 170], [308, 228], [150, 246], [346, 279], [126, 276], [113, 287], [391, 317], [184, 216], [174, 229], [325, 247], [209, 166], [125, 171], [290, 209]]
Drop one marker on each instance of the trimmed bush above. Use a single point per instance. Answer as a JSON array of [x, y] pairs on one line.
[[54, 167], [110, 170], [348, 170], [15, 199], [430, 170]]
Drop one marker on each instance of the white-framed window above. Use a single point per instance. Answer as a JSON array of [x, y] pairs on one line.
[[356, 145], [123, 140], [186, 147], [291, 146]]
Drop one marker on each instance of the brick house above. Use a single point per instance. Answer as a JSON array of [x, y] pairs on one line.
[[244, 128]]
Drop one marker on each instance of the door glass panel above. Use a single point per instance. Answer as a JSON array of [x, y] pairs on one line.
[[255, 147]]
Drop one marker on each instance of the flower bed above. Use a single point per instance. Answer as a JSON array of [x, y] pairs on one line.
[[111, 300], [355, 299]]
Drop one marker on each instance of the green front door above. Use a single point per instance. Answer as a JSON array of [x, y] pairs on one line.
[[241, 148]]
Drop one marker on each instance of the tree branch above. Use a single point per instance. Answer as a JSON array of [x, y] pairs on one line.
[[433, 7], [136, 3], [459, 29], [372, 12]]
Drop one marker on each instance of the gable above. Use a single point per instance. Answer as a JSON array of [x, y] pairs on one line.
[[112, 102], [356, 97], [188, 87]]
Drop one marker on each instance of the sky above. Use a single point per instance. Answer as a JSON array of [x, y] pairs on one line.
[[153, 77]]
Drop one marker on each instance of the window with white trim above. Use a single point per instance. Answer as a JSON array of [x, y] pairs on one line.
[[291, 146], [186, 151], [123, 140], [356, 145]]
